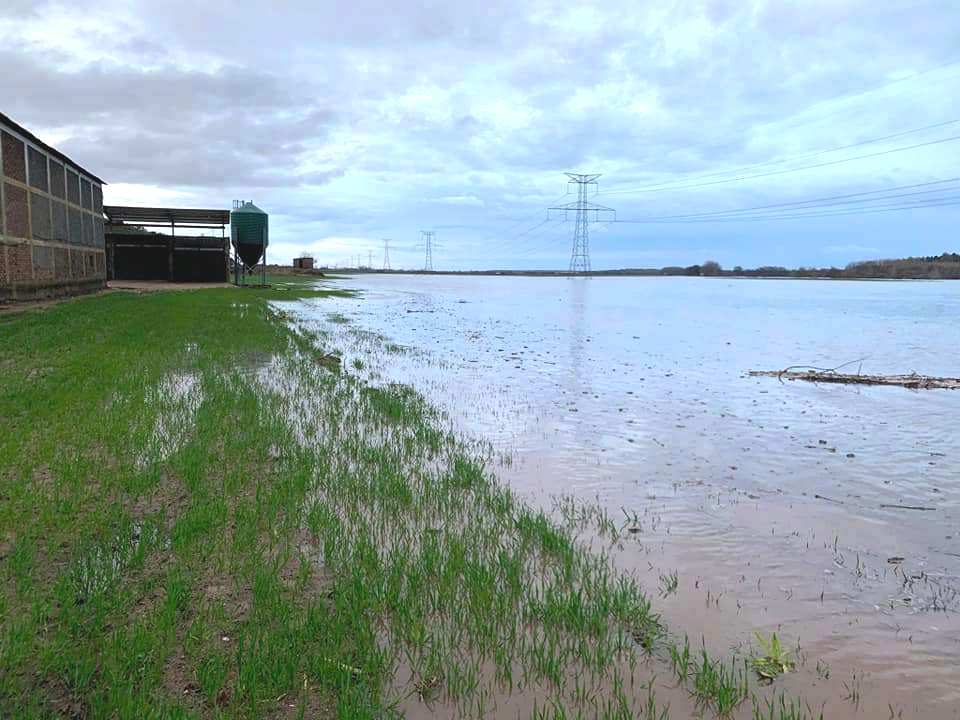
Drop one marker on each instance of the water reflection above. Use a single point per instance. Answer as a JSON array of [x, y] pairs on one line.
[[579, 370]]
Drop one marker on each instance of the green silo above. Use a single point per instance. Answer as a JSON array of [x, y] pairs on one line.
[[249, 228]]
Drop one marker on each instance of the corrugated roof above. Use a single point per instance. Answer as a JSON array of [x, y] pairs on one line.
[[4, 120], [166, 216]]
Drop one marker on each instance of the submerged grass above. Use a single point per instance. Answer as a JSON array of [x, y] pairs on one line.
[[203, 517], [773, 660]]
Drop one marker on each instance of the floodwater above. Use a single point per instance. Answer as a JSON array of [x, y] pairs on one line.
[[828, 514]]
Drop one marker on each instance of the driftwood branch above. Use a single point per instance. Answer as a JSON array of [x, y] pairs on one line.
[[909, 507], [912, 381]]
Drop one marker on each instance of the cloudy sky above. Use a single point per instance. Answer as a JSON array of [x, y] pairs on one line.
[[350, 122]]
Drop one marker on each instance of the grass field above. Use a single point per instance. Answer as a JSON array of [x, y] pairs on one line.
[[204, 515]]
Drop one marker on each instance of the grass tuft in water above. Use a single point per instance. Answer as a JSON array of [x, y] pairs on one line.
[[773, 660]]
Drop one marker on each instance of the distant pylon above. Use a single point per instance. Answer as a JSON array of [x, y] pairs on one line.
[[370, 259], [386, 254], [428, 237], [580, 255]]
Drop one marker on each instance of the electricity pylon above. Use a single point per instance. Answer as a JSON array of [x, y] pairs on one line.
[[580, 256], [370, 259], [428, 238], [386, 254]]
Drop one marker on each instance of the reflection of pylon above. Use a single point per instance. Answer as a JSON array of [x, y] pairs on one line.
[[580, 256], [427, 237], [386, 254]]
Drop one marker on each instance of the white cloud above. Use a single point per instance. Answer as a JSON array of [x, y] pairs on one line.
[[146, 195], [462, 117], [470, 200]]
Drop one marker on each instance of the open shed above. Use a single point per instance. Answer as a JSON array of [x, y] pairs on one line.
[[173, 244]]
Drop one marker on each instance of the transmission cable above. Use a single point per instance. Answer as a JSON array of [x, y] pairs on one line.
[[880, 153], [813, 203], [946, 201], [814, 153], [532, 242], [778, 161], [503, 242]]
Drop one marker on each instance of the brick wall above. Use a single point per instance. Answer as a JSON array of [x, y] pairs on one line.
[[20, 263], [76, 264], [51, 221], [61, 264], [15, 211]]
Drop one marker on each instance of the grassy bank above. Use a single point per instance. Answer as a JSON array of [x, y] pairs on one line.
[[204, 515]]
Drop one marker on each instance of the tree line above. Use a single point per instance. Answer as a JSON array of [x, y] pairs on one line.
[[934, 267]]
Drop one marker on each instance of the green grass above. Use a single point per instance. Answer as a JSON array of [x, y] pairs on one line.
[[294, 280], [202, 517], [773, 659]]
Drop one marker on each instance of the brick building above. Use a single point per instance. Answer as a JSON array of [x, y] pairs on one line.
[[51, 220]]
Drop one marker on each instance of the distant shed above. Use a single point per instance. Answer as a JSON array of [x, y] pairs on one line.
[[304, 262], [51, 220], [136, 250]]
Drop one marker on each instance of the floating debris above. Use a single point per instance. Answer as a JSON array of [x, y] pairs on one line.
[[912, 381]]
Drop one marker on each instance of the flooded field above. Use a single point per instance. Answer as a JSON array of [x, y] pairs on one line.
[[827, 514]]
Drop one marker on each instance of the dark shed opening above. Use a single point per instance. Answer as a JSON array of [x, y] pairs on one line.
[[136, 250]]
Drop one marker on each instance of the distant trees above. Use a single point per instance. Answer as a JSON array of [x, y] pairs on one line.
[[945, 266]]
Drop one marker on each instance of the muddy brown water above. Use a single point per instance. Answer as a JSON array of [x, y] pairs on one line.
[[781, 507]]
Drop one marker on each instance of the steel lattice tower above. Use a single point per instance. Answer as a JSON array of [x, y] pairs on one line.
[[580, 255], [428, 237], [386, 254]]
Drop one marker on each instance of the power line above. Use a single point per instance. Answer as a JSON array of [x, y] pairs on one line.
[[839, 98], [529, 230], [505, 242], [532, 242], [859, 93], [792, 158], [551, 241], [537, 232], [548, 233], [947, 201], [790, 170], [813, 203], [580, 255]]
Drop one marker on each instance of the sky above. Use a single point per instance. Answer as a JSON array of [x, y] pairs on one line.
[[355, 122]]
